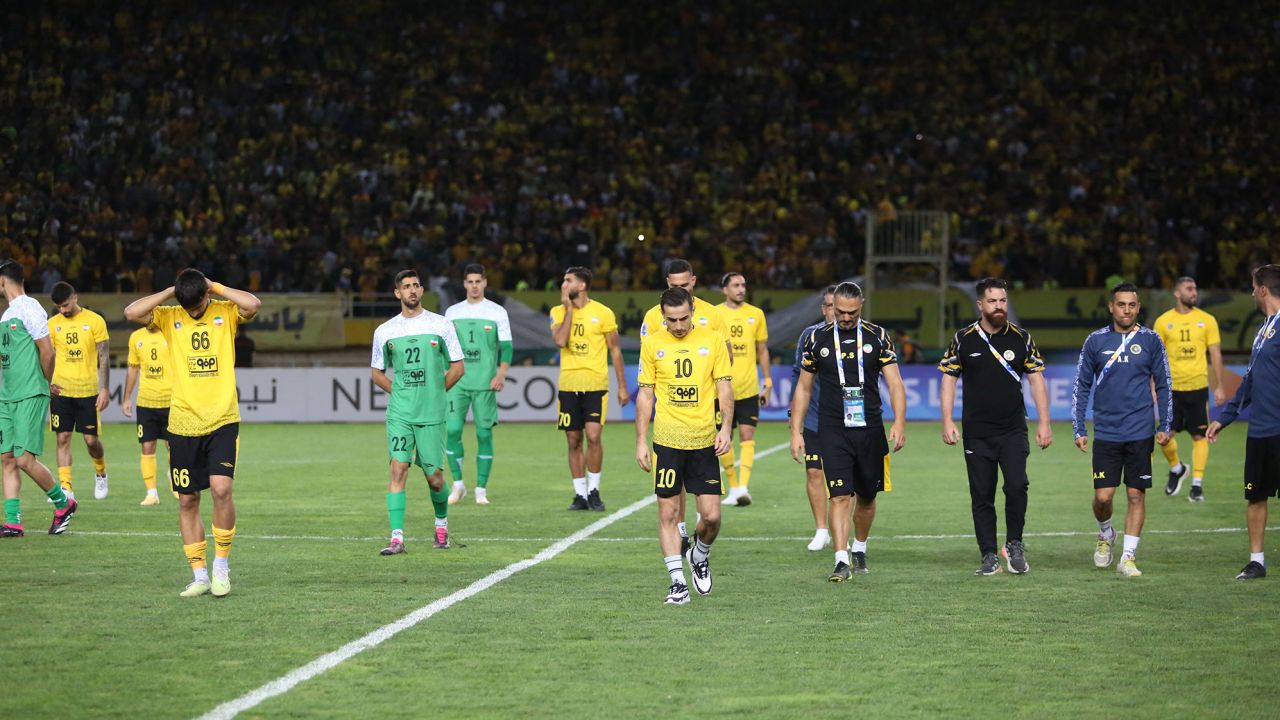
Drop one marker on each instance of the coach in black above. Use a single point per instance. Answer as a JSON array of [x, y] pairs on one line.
[[992, 356], [850, 356]]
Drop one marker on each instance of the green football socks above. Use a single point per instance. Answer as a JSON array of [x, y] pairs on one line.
[[395, 510], [484, 455], [58, 497], [440, 501], [13, 511]]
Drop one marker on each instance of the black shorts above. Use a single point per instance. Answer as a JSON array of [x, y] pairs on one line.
[[855, 460], [1132, 459], [193, 459], [1261, 468], [579, 408], [745, 412], [153, 424], [1191, 411], [68, 414], [696, 472], [812, 448]]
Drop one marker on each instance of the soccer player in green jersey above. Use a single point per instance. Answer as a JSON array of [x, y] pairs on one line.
[[484, 331], [26, 356], [421, 349]]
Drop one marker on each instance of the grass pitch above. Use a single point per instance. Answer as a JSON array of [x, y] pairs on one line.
[[95, 627]]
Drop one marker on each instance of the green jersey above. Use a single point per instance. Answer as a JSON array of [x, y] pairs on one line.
[[418, 350], [484, 331], [24, 322]]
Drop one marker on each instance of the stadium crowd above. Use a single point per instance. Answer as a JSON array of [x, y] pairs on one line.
[[319, 146]]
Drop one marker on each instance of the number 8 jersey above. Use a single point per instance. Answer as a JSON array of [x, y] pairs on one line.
[[418, 350], [202, 354]]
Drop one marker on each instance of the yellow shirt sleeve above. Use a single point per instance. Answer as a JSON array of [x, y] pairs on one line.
[[135, 357], [608, 321], [98, 327], [1211, 335]]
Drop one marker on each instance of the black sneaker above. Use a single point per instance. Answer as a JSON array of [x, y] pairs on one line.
[[594, 502], [1015, 557], [678, 595], [701, 575], [1196, 494], [7, 530], [990, 565], [685, 545], [62, 518], [1176, 477], [840, 574], [1252, 571], [859, 562], [579, 503]]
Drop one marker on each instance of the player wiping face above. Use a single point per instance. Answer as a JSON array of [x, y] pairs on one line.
[[1124, 310], [572, 286]]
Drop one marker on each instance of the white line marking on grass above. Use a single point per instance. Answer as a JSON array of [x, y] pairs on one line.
[[327, 662], [324, 663]]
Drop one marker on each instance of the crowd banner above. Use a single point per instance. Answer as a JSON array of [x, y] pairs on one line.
[[286, 322]]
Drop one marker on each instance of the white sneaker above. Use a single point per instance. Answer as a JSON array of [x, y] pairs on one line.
[[744, 498], [821, 539], [1102, 551], [732, 497], [100, 487], [459, 492], [482, 496]]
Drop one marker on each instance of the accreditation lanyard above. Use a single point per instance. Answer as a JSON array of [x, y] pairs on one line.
[[1115, 356], [1264, 333], [855, 414], [1000, 358]]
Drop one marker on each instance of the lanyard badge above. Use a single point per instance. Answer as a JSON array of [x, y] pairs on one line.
[[1114, 356], [1264, 334], [996, 354], [855, 406]]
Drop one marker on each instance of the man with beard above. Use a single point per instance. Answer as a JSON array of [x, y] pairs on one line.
[[1190, 333], [1262, 446], [850, 355], [1119, 364], [992, 356]]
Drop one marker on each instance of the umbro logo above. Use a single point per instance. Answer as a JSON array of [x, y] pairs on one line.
[[227, 465], [846, 342], [975, 354], [968, 452], [1144, 477]]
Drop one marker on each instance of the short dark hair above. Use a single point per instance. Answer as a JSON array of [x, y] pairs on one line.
[[189, 288], [473, 269], [12, 271], [828, 290], [729, 276], [1268, 276], [848, 290], [675, 266], [1183, 279], [1123, 287], [403, 274], [582, 273], [987, 283], [62, 291], [675, 297]]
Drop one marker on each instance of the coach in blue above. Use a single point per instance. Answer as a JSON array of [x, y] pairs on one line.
[[1119, 364], [815, 482], [1262, 445]]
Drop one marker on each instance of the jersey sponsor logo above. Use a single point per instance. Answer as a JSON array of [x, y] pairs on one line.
[[682, 395], [202, 365], [155, 371], [415, 378], [74, 355], [1008, 355], [471, 354], [581, 349]]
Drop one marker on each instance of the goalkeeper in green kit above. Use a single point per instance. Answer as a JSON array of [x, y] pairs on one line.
[[484, 332]]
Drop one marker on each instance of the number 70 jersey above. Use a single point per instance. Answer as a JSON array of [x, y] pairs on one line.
[[418, 350]]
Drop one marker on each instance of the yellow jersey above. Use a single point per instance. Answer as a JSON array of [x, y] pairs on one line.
[[1187, 337], [746, 328], [75, 345], [704, 315], [149, 352], [584, 361], [202, 354], [683, 374]]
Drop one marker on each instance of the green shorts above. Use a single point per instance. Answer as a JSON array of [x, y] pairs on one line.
[[420, 444], [22, 425], [483, 403]]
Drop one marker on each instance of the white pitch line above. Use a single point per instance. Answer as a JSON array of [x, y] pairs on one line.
[[324, 663]]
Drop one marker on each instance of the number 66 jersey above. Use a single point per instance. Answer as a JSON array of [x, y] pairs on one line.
[[202, 355], [418, 350]]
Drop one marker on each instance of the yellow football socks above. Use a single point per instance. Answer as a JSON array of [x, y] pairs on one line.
[[730, 472], [748, 459], [1170, 450], [1199, 457], [64, 477], [99, 465], [222, 541], [195, 554], [148, 464]]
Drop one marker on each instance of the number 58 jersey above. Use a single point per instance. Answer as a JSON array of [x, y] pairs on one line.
[[202, 355], [418, 350], [683, 374]]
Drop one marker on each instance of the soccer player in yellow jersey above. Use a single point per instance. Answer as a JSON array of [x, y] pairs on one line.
[[81, 382], [748, 341], [204, 413], [587, 334], [149, 359], [1190, 334], [683, 371], [680, 275]]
